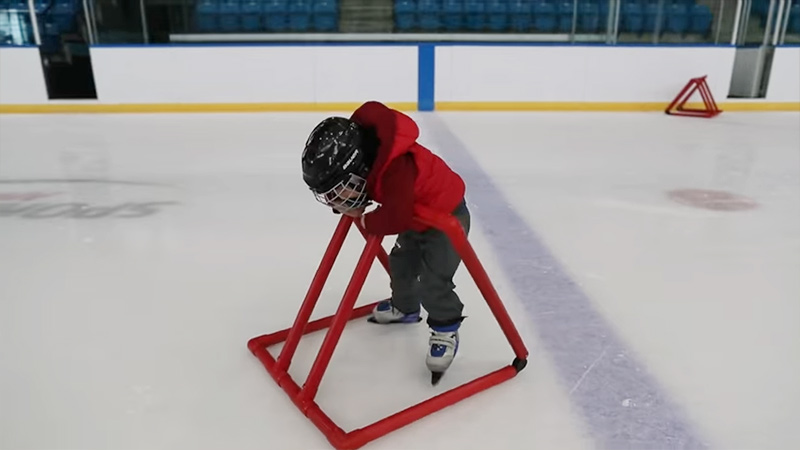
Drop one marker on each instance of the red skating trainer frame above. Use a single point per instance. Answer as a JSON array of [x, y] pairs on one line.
[[303, 397], [677, 107]]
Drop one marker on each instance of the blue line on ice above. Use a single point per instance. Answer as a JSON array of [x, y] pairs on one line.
[[622, 405]]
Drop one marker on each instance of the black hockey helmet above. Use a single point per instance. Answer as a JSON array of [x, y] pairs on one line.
[[336, 159]]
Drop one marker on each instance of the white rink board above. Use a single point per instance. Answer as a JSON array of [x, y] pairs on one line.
[[576, 74], [308, 74], [784, 83], [255, 74], [21, 76]]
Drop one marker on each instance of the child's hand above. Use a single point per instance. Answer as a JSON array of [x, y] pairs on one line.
[[358, 212]]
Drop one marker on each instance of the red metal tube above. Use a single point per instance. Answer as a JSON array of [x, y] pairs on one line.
[[677, 107], [475, 267], [310, 301], [303, 397], [358, 438], [679, 96], [310, 409], [340, 318], [335, 435], [269, 363], [450, 226], [708, 99], [277, 337], [382, 256]]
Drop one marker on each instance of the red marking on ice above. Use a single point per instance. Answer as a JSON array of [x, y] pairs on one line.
[[711, 199], [24, 196]]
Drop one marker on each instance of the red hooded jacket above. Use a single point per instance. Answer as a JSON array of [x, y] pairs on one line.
[[404, 173]]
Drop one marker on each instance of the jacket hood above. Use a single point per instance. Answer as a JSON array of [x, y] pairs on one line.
[[396, 132]]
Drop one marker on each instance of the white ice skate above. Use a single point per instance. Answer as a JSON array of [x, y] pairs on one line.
[[384, 313], [443, 346]]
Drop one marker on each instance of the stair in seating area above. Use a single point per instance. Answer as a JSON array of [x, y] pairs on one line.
[[365, 16]]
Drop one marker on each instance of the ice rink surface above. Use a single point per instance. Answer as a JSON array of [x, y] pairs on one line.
[[652, 264]]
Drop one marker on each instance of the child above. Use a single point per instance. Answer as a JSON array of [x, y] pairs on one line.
[[373, 157]]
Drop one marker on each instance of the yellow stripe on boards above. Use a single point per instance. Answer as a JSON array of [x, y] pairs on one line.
[[88, 108], [547, 106], [760, 106], [59, 108], [608, 106]]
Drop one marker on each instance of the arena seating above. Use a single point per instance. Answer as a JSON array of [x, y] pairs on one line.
[[681, 17], [760, 10], [55, 17], [549, 16], [253, 16]]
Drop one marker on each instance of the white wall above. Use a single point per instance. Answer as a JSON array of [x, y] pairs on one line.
[[577, 74], [21, 76], [784, 82], [255, 74], [350, 74]]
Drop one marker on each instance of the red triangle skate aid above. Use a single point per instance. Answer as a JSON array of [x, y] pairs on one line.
[[678, 105], [303, 397]]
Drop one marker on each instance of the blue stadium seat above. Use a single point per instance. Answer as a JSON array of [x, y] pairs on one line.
[[700, 19], [207, 15], [794, 19], [405, 14], [326, 15], [677, 18], [326, 7], [64, 14], [49, 34], [605, 11], [276, 15], [40, 6], [760, 7], [229, 11], [520, 15], [405, 6], [299, 15], [19, 5], [429, 6], [475, 15], [453, 15], [428, 14], [667, 3], [589, 17], [566, 9], [632, 18], [654, 18], [544, 16], [497, 15], [251, 15]]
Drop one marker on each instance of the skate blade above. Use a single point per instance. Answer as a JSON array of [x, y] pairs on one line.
[[435, 377], [372, 320]]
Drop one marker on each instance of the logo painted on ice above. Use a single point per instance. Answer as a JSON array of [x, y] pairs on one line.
[[42, 203]]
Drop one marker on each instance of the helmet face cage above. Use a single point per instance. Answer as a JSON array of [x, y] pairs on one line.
[[347, 195]]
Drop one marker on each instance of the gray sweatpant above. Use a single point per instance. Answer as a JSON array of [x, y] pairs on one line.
[[422, 266]]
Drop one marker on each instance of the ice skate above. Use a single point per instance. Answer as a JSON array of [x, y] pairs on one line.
[[385, 313], [443, 346]]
